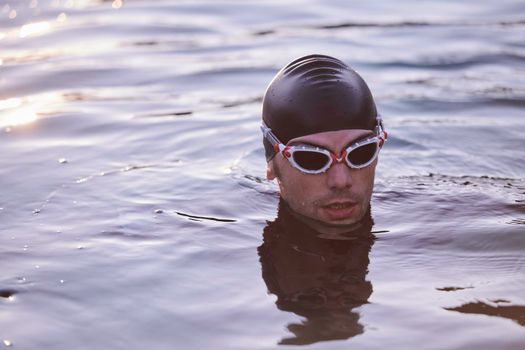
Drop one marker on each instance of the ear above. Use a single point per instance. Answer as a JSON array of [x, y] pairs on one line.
[[270, 171]]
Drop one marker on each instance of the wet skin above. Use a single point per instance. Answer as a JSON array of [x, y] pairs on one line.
[[331, 202]]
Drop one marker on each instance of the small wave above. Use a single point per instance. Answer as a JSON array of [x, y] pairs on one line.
[[241, 102], [229, 72], [474, 86], [7, 293], [462, 206], [400, 144], [200, 217], [182, 113], [210, 106], [28, 58], [124, 234], [249, 173], [403, 24], [386, 25], [125, 169], [451, 61]]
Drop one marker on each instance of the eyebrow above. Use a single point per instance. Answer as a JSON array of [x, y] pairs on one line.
[[361, 138]]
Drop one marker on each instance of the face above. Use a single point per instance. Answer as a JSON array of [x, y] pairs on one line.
[[332, 201]]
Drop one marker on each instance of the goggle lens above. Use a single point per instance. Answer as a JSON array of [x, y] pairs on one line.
[[315, 161], [311, 161], [363, 154]]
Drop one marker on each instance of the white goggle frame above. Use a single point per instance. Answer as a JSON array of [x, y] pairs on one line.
[[288, 151]]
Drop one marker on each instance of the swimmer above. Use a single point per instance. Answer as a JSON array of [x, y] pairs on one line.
[[322, 136]]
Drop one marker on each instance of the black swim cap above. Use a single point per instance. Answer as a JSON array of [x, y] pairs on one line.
[[316, 93]]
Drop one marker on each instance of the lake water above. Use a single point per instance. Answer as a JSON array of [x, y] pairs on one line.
[[134, 213]]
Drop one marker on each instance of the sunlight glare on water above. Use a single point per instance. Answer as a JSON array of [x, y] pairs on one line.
[[33, 29]]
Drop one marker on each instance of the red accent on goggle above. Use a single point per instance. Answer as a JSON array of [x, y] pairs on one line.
[[337, 160], [286, 152]]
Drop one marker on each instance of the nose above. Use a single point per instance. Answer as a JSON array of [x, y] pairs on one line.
[[339, 176]]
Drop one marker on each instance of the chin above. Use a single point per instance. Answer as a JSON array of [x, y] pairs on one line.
[[324, 224], [344, 222]]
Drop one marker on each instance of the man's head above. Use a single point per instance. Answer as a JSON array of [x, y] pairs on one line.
[[322, 137]]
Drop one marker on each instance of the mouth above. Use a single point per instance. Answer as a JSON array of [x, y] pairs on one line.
[[339, 205], [339, 210]]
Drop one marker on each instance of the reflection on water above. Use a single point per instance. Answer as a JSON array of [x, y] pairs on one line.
[[38, 28], [320, 279], [21, 111], [512, 312]]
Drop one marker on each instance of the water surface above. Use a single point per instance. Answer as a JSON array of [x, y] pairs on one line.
[[134, 211]]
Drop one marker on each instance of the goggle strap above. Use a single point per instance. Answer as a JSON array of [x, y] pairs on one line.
[[267, 133], [380, 131]]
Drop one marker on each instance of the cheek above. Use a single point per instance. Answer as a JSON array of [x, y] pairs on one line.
[[288, 187], [295, 186], [300, 193], [366, 180]]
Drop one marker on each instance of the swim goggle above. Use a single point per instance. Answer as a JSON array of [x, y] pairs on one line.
[[316, 160]]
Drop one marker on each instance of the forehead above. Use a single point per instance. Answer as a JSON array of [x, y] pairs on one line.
[[332, 139]]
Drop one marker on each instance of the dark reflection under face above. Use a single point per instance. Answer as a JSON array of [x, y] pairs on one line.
[[320, 278]]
